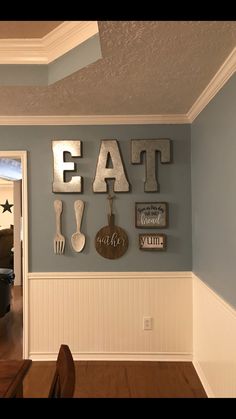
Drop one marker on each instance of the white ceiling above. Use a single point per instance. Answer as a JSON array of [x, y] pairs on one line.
[[147, 68]]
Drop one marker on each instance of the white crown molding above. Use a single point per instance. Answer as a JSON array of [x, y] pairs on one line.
[[68, 36], [93, 119], [22, 51], [44, 50], [221, 77]]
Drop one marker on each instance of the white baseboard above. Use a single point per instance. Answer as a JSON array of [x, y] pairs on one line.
[[203, 380], [116, 356]]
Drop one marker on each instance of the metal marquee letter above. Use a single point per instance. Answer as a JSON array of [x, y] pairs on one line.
[[60, 166], [110, 151], [150, 147]]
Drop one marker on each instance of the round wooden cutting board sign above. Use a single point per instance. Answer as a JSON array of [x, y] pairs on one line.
[[111, 241]]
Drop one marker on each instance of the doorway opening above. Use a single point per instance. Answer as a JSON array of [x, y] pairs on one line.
[[13, 255]]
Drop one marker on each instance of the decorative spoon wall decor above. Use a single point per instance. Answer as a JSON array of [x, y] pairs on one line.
[[78, 238]]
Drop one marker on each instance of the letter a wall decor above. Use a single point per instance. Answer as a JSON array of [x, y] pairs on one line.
[[110, 150]]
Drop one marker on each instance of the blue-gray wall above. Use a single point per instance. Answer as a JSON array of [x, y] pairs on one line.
[[214, 193], [175, 188]]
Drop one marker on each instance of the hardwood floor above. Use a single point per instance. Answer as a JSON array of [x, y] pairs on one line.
[[106, 379], [11, 328]]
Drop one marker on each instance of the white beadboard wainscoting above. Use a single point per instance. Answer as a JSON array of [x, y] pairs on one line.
[[100, 315], [214, 341]]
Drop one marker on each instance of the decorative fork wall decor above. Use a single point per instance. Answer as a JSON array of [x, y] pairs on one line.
[[59, 239]]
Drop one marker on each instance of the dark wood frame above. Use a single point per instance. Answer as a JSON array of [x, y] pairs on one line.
[[159, 249], [152, 226]]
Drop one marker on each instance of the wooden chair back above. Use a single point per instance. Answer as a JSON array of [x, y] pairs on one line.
[[15, 372], [63, 384]]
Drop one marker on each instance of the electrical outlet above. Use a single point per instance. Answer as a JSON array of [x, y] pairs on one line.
[[147, 323]]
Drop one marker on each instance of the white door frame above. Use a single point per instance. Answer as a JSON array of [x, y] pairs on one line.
[[22, 155]]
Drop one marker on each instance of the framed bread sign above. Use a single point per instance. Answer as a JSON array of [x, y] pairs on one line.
[[151, 214]]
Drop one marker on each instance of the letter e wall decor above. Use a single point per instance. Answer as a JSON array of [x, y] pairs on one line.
[[60, 166]]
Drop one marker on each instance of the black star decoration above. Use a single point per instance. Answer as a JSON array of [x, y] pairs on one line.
[[7, 206]]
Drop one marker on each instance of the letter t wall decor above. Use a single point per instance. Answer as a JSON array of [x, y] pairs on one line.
[[150, 147]]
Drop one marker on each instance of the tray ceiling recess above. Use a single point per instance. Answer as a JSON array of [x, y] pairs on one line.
[[149, 72], [64, 50]]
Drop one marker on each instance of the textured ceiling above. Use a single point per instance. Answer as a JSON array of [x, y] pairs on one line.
[[158, 67], [26, 29]]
